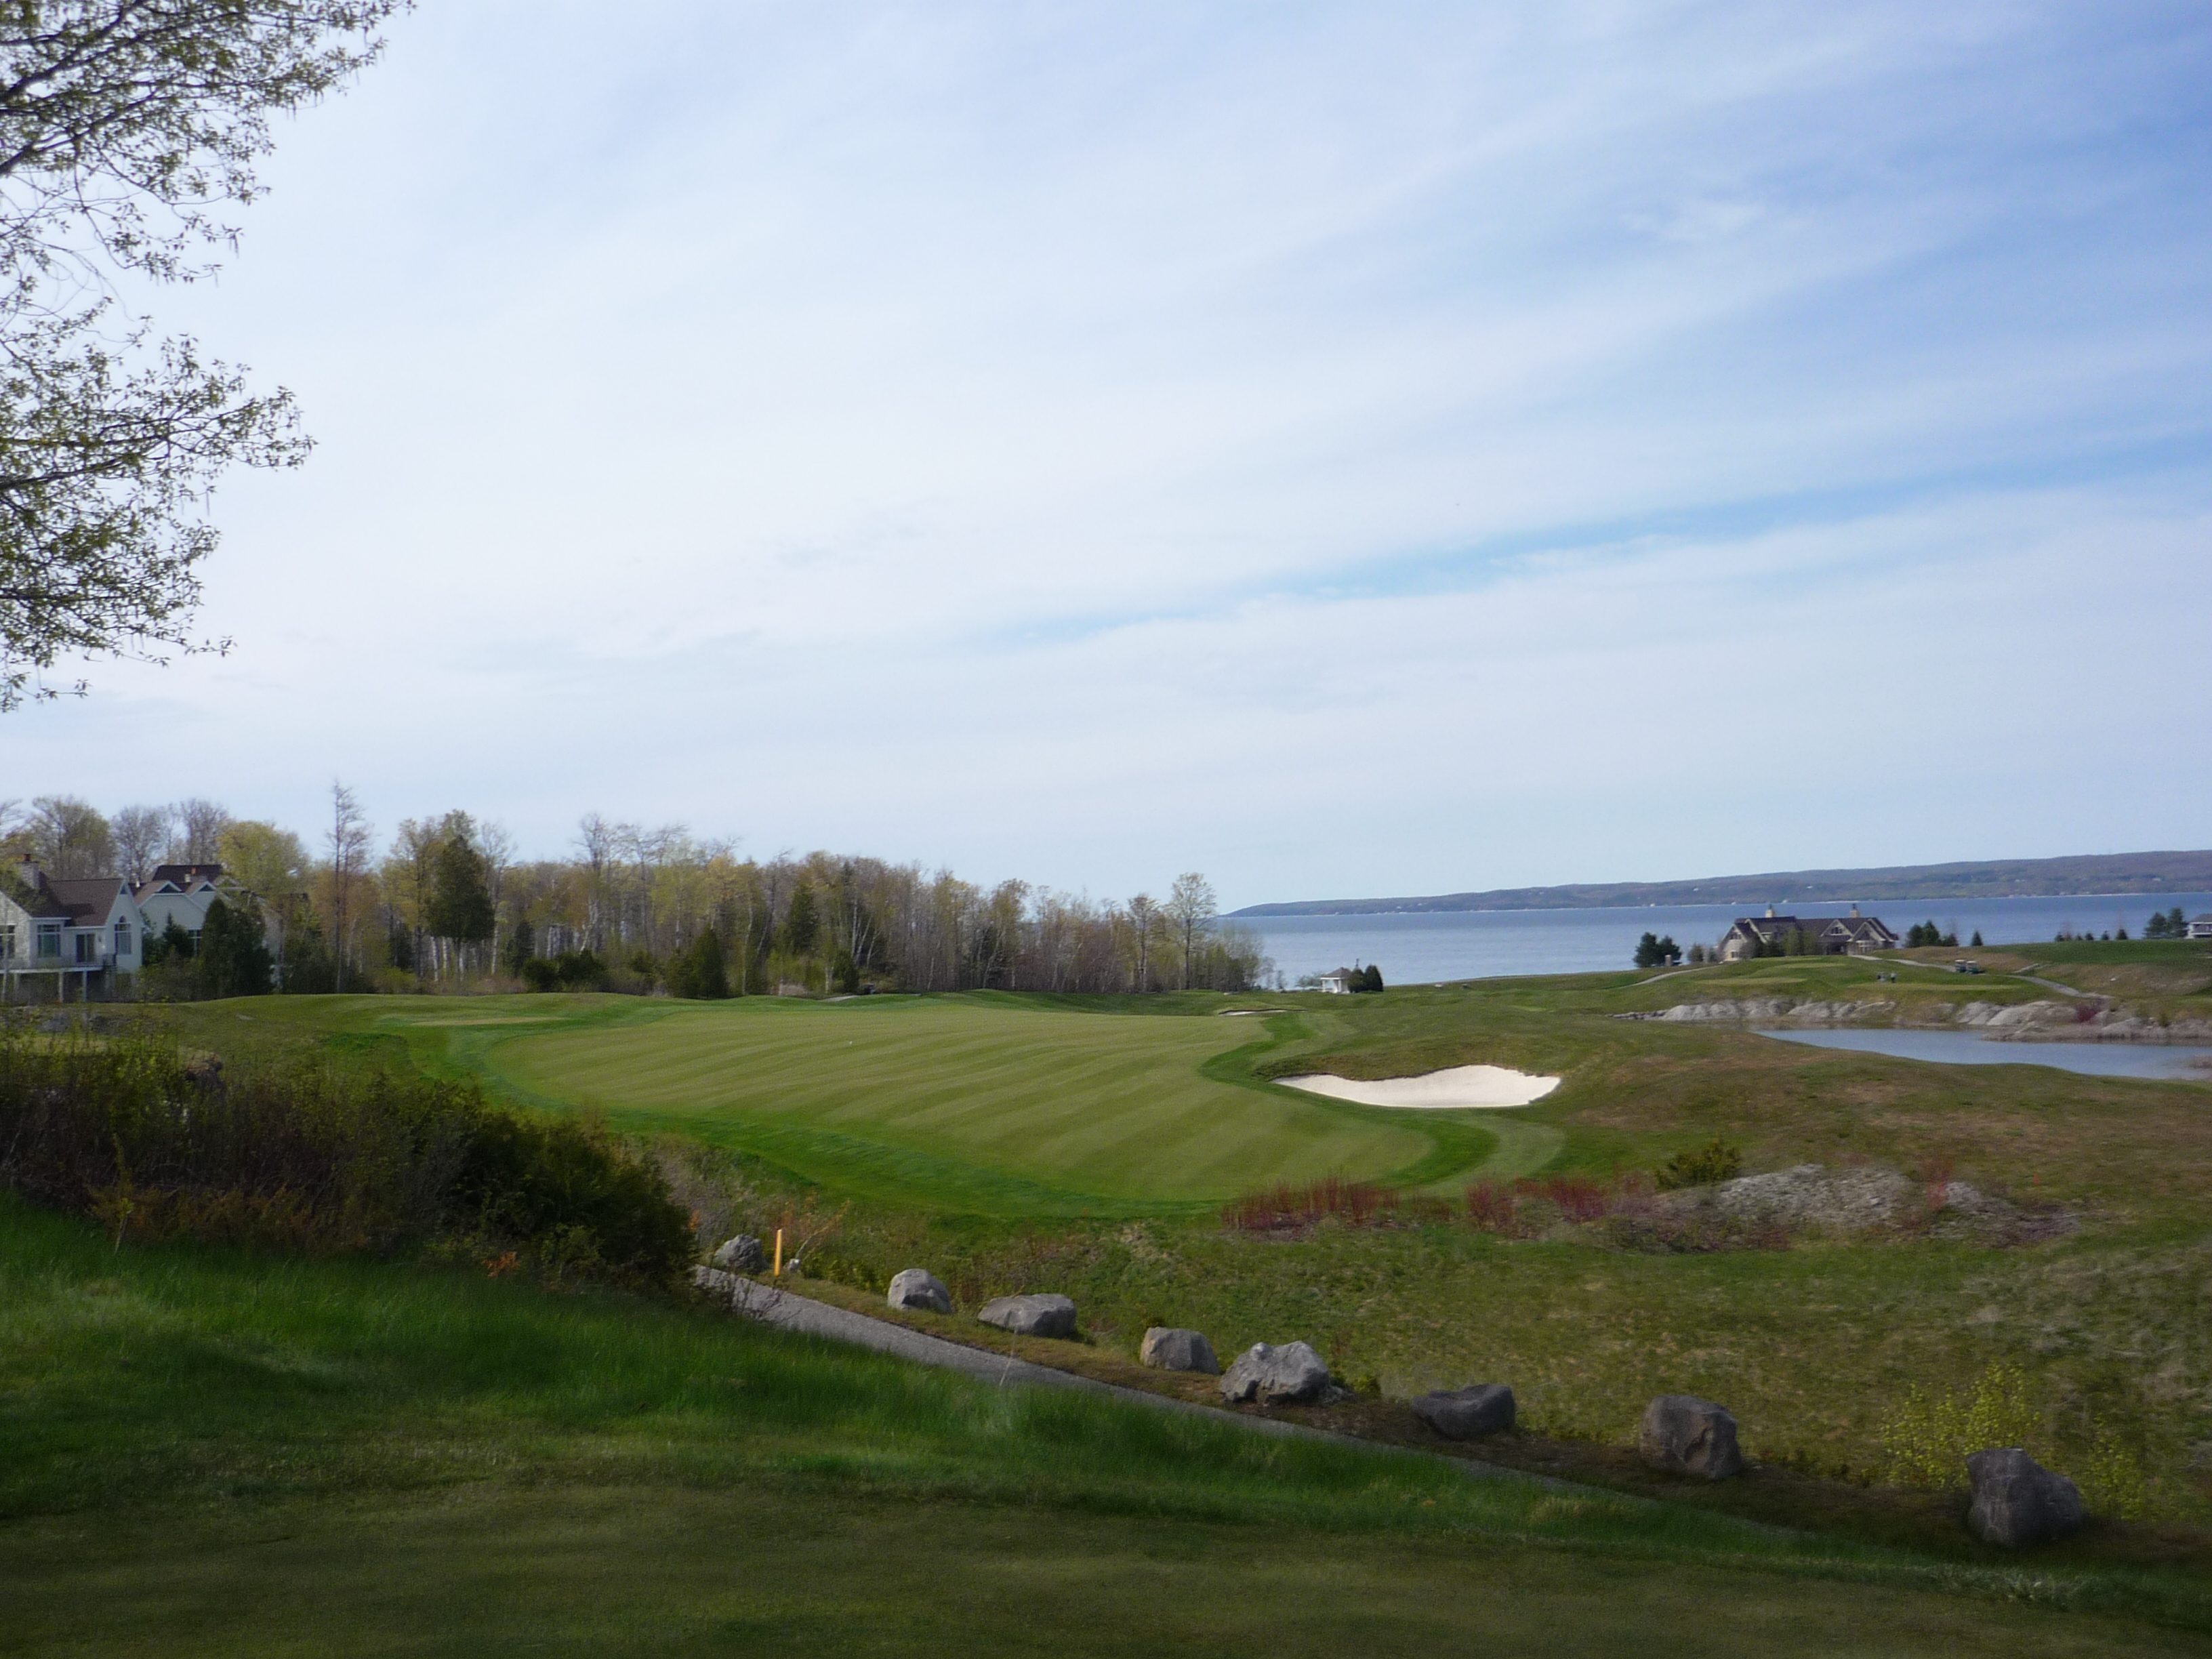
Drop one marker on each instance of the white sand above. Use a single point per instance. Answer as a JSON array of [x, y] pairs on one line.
[[1458, 1085]]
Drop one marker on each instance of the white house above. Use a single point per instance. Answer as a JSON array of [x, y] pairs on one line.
[[81, 932], [2201, 926], [59, 938], [182, 893]]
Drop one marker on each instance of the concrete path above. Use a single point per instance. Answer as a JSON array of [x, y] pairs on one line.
[[774, 1306]]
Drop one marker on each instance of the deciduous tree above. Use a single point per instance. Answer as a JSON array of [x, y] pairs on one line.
[[126, 128]]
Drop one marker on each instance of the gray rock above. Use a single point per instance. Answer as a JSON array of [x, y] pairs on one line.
[[1479, 1408], [918, 1287], [742, 1254], [1685, 1435], [1032, 1315], [1173, 1349], [1276, 1376], [2017, 1501]]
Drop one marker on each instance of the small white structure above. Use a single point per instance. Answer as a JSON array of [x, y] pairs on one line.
[[2201, 926], [1341, 982]]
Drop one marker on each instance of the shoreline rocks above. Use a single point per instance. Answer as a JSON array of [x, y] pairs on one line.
[[1289, 1376], [1030, 1316], [1467, 1413], [2018, 1502], [1682, 1434], [1171, 1349], [919, 1288]]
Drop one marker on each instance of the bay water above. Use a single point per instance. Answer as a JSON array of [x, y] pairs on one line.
[[1427, 947]]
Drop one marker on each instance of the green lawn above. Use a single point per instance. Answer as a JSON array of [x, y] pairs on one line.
[[995, 1104], [211, 1452]]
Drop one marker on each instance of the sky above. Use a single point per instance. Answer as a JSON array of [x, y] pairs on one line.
[[1347, 450]]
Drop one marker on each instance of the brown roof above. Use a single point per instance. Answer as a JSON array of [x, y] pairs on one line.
[[85, 901]]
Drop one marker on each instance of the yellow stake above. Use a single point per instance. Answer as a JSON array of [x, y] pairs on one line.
[[779, 1253]]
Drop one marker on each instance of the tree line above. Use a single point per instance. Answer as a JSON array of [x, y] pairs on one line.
[[447, 903]]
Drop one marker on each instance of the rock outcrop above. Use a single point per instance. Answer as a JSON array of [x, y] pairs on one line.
[[1175, 1350], [2018, 1502], [1685, 1435], [1030, 1316], [1466, 1413], [1290, 1375], [741, 1255], [918, 1287]]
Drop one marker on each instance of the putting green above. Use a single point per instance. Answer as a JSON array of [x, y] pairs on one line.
[[966, 1100]]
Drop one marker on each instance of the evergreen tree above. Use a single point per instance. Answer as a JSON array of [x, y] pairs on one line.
[[460, 906], [802, 923], [1372, 979], [1647, 950], [1669, 952], [234, 961], [1978, 938], [698, 970]]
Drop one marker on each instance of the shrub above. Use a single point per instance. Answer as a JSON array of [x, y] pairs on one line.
[[1928, 1436], [1284, 1206], [1490, 1206], [1714, 1161], [156, 1143]]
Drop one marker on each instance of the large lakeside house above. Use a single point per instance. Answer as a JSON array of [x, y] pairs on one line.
[[82, 936], [1824, 936]]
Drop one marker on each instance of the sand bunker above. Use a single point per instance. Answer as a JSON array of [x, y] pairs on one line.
[[1460, 1085]]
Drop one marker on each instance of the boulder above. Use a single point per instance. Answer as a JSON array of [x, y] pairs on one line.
[[918, 1287], [1685, 1435], [2017, 1501], [742, 1254], [1479, 1408], [1032, 1315], [1276, 1376], [1173, 1349]]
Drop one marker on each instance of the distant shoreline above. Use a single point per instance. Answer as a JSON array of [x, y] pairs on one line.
[[2117, 875]]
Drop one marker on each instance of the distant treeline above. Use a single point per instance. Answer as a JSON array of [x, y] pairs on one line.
[[2061, 877], [637, 910]]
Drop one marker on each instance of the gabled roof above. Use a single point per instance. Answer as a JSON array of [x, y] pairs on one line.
[[85, 901]]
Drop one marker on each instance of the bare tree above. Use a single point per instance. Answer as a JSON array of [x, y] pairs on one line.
[[1144, 921], [141, 832], [70, 838], [196, 830], [348, 839], [1189, 912]]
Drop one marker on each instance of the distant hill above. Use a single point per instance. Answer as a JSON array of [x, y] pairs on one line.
[[2104, 873]]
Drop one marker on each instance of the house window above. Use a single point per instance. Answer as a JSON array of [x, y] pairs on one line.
[[49, 941], [8, 943], [122, 938], [88, 947]]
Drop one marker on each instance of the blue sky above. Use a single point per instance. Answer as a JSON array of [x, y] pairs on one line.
[[1375, 449]]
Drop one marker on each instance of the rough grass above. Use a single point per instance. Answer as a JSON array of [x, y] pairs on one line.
[[1811, 1346], [216, 1452]]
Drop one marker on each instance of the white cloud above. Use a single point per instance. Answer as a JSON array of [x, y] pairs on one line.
[[1080, 442]]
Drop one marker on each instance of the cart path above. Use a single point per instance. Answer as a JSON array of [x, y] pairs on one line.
[[772, 1305]]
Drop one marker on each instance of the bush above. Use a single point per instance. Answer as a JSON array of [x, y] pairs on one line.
[[1714, 1161], [156, 1143]]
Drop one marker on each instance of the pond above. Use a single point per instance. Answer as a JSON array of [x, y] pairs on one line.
[[2170, 1062]]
